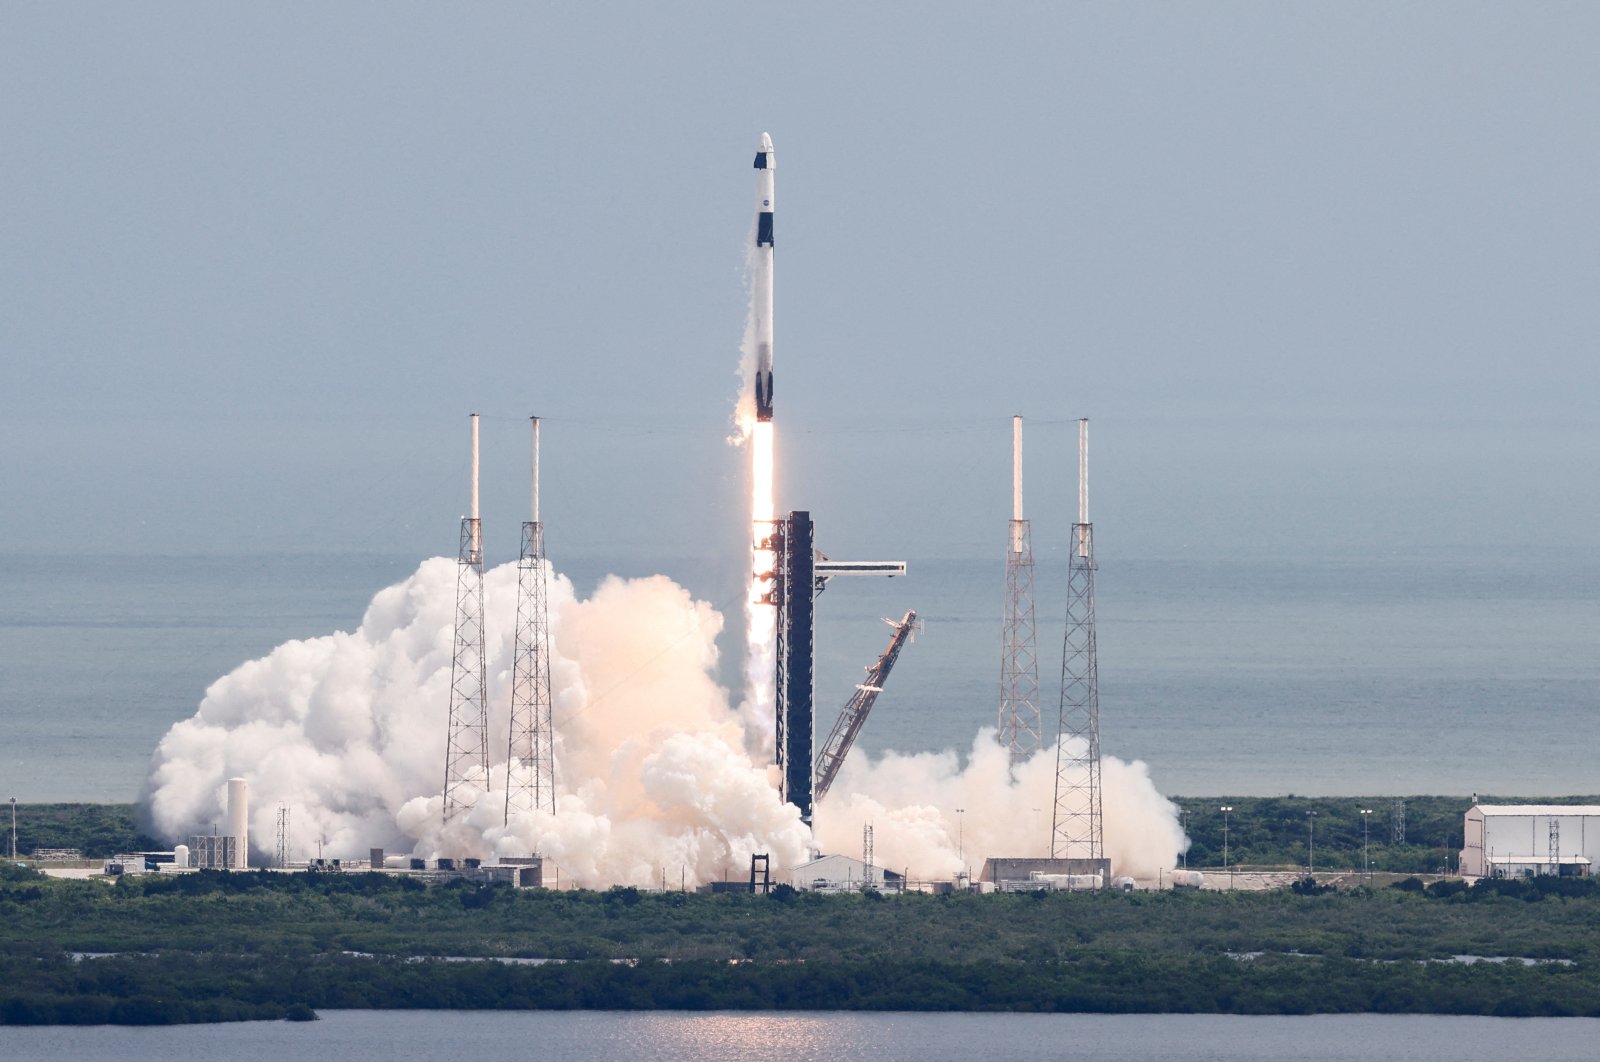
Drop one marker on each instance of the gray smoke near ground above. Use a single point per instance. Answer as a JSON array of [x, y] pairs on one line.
[[655, 781]]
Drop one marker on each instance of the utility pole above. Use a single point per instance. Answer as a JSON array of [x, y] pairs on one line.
[[1311, 841], [1366, 860], [1226, 810]]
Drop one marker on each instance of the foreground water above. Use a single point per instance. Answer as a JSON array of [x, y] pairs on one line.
[[1360, 675], [362, 1035]]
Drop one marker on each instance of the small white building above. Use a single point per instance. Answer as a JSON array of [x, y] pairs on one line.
[[839, 873], [1522, 840]]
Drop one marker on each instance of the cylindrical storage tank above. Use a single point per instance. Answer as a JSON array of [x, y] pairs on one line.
[[239, 821], [180, 856]]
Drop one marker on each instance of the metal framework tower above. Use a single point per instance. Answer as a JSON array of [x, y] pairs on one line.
[[799, 574], [1019, 658], [532, 737], [855, 712], [1077, 829], [1397, 822], [794, 579], [466, 758], [1555, 845], [283, 835], [866, 855]]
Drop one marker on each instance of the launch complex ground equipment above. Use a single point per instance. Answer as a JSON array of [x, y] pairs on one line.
[[799, 574], [854, 715]]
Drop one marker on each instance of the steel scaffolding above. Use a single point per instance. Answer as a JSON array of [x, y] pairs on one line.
[[1019, 660], [1077, 828], [532, 736], [466, 763]]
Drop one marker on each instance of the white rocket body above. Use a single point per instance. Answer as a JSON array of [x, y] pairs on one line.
[[766, 164]]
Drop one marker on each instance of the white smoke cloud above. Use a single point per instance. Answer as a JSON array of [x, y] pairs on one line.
[[348, 731], [654, 777], [912, 802]]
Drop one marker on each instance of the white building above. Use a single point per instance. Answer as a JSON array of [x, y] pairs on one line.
[[838, 873], [1521, 840]]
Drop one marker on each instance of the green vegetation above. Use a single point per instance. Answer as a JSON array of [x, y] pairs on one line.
[[1273, 831], [212, 946], [97, 830]]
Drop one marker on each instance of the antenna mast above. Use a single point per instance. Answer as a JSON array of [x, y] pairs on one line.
[[466, 766], [1076, 825], [1019, 659], [530, 762]]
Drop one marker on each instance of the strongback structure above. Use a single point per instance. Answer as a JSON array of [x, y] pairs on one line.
[[855, 712], [799, 574], [1077, 827], [1019, 658], [532, 738], [794, 595], [466, 762]]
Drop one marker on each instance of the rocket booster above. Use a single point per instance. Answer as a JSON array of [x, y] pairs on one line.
[[766, 163]]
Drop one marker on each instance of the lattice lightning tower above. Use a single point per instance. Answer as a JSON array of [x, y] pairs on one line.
[[1076, 826], [1019, 659], [533, 788], [466, 762], [866, 855], [283, 835]]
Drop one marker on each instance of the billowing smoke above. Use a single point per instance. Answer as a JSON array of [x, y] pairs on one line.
[[348, 732], [654, 777], [935, 817]]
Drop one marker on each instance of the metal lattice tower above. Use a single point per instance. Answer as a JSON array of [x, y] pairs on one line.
[[866, 855], [1555, 845], [466, 758], [283, 835], [1077, 826], [1019, 657], [532, 736], [1397, 822]]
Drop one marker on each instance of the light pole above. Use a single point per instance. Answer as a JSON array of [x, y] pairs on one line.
[[1183, 819], [1226, 809], [961, 840], [1311, 844], [1366, 821], [13, 829]]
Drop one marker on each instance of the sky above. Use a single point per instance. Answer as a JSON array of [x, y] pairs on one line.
[[1321, 275]]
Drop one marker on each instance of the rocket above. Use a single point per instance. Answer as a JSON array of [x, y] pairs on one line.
[[766, 163]]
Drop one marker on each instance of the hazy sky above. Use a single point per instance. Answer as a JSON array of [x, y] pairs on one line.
[[1323, 275]]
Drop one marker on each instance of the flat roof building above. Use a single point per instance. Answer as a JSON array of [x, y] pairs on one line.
[[1524, 840]]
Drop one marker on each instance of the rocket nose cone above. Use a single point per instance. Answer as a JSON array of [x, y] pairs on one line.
[[766, 142]]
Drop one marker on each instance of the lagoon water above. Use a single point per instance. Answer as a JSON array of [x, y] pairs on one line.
[[1430, 671], [363, 1035]]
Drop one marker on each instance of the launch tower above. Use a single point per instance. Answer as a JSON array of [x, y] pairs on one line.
[[1076, 825], [532, 736], [466, 762], [799, 574], [1019, 659]]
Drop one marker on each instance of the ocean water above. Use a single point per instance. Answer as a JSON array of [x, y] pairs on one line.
[[1431, 671], [377, 1035]]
